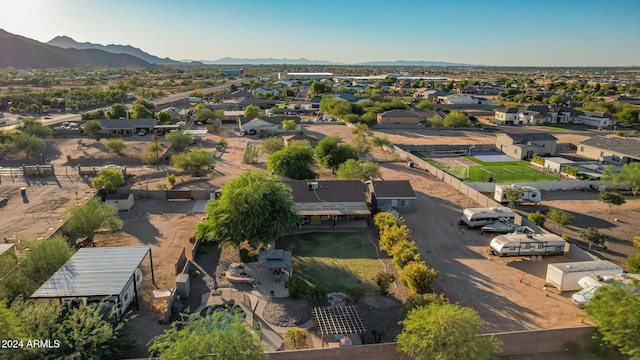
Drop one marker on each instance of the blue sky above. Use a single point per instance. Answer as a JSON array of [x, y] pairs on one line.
[[504, 33]]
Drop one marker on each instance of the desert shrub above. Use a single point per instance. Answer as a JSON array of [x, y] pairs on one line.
[[418, 300], [636, 241], [537, 218], [384, 281], [171, 178], [295, 285], [317, 293], [633, 264], [297, 339], [356, 293], [247, 256]]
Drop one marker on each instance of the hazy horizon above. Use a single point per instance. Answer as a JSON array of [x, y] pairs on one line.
[[492, 33]]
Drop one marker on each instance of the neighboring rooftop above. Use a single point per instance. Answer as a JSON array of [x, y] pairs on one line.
[[393, 189], [102, 271], [624, 145]]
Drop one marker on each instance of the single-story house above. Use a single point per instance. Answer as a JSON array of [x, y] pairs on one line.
[[346, 96], [330, 202], [428, 94], [315, 102], [177, 113], [524, 146], [610, 149], [123, 202], [127, 126], [407, 116], [266, 124], [455, 99], [313, 140], [396, 194]]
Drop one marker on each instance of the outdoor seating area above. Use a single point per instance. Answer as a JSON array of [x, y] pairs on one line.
[[238, 273]]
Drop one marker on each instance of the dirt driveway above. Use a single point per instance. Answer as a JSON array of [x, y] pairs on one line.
[[492, 287]]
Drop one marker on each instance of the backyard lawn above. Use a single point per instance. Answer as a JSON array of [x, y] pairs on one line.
[[334, 261]]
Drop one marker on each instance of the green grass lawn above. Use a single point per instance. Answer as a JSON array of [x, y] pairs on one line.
[[334, 261], [507, 174], [556, 127]]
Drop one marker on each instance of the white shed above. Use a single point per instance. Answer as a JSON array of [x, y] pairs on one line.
[[123, 202], [555, 164]]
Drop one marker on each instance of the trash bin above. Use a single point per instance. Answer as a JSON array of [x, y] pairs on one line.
[[23, 191]]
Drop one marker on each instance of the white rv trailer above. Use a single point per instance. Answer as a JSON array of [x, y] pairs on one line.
[[529, 193], [565, 276], [527, 245], [483, 216]]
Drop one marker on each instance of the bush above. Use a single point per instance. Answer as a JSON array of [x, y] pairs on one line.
[[247, 256], [393, 235], [384, 281], [404, 252], [384, 220], [295, 285], [418, 277], [633, 264], [171, 178], [636, 241], [537, 159], [537, 218], [566, 238], [418, 300], [356, 293], [317, 293], [296, 339]]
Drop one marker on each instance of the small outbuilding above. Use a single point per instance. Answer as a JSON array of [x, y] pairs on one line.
[[123, 202]]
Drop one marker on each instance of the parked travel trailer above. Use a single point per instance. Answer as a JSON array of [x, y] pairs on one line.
[[527, 245], [474, 217], [529, 194], [565, 276]]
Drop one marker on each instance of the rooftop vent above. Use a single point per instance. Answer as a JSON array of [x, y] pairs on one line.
[[312, 185]]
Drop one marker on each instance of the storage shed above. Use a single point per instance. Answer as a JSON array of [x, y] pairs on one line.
[[123, 202]]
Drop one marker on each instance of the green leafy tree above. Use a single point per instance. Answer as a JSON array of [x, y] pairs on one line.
[[361, 129], [513, 194], [163, 117], [405, 252], [630, 115], [628, 175], [117, 111], [193, 161], [380, 141], [297, 339], [92, 127], [633, 264], [355, 170], [272, 144], [294, 162], [424, 105], [560, 217], [252, 112], [108, 180], [179, 140], [94, 215], [615, 312], [142, 109], [318, 88], [34, 127], [392, 235], [456, 119], [418, 277], [205, 114], [11, 326], [116, 146], [44, 258], [592, 236], [28, 143], [445, 332], [361, 145], [254, 207], [419, 300], [537, 218], [82, 333], [289, 125], [219, 335], [330, 153], [612, 198]]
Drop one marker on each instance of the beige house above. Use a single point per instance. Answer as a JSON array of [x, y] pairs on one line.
[[610, 149], [524, 146]]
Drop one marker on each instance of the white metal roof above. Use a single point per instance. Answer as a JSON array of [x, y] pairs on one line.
[[586, 266], [5, 247], [94, 272]]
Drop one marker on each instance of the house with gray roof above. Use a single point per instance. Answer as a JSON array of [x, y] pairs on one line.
[[124, 127], [330, 202], [611, 149], [524, 146], [266, 124], [550, 114], [391, 194], [407, 116], [505, 116]]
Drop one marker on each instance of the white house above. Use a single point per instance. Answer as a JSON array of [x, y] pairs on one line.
[[455, 99]]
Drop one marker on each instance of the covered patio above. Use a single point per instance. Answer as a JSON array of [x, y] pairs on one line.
[[278, 264]]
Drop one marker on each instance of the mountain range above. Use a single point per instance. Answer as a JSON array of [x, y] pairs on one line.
[[63, 51]]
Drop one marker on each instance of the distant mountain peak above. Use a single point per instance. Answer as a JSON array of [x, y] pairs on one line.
[[67, 42]]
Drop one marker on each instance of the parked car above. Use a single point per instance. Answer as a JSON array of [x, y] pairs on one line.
[[142, 133], [624, 125]]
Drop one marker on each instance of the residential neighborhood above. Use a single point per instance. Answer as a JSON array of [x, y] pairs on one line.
[[277, 208]]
